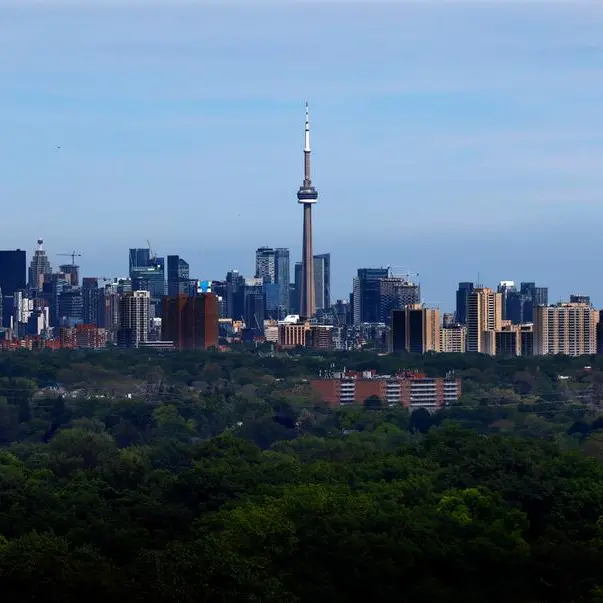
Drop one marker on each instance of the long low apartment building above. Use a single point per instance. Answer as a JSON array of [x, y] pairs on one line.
[[408, 388]]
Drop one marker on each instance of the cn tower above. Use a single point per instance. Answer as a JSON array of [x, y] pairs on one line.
[[307, 195]]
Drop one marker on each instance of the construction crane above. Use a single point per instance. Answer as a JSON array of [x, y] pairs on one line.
[[432, 303], [71, 255], [390, 271], [152, 254]]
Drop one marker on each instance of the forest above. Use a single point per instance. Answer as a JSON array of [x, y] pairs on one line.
[[221, 477]]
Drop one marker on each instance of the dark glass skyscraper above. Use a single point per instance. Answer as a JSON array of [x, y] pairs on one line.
[[396, 293], [535, 296], [254, 308], [148, 274], [462, 300], [367, 294], [235, 298], [13, 270], [71, 307], [322, 281], [138, 257], [295, 302], [91, 302], [178, 277], [282, 267], [271, 300]]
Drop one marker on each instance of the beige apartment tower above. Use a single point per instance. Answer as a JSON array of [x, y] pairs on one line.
[[484, 319], [569, 329], [453, 339]]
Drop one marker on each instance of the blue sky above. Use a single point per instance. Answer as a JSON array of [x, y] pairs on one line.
[[449, 138]]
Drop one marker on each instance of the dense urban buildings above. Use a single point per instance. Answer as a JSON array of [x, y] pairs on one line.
[[384, 311]]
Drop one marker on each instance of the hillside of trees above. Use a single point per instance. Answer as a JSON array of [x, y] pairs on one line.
[[222, 478]]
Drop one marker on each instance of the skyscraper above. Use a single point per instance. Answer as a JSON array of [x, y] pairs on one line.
[[133, 319], [149, 277], [13, 268], [396, 293], [282, 267], [39, 268], [235, 295], [254, 309], [507, 290], [569, 329], [367, 294], [415, 330], [138, 257], [322, 281], [91, 301], [178, 277], [297, 289], [484, 318], [72, 272], [307, 195], [191, 322], [462, 299], [265, 264], [535, 296], [71, 307]]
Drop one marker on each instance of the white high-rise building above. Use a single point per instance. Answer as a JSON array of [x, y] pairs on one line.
[[134, 312]]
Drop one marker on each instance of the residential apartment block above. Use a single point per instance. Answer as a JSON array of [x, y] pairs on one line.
[[565, 328], [408, 388]]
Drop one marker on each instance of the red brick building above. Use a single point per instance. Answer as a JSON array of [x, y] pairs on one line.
[[191, 322], [410, 389]]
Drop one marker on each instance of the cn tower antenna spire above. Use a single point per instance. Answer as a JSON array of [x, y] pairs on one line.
[[307, 145]]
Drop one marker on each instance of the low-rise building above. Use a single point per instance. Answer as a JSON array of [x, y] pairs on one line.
[[408, 388]]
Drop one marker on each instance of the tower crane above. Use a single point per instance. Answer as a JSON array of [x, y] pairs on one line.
[[152, 254], [71, 255], [390, 271]]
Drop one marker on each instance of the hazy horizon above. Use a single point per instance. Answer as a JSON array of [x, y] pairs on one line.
[[452, 139]]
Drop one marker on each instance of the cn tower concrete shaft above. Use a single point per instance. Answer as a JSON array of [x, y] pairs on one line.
[[308, 305]]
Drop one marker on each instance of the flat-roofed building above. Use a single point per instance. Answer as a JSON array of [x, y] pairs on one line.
[[453, 339], [407, 388], [565, 328], [415, 330], [190, 322], [484, 318]]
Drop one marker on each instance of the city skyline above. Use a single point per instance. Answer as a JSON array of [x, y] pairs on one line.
[[450, 129], [413, 279]]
